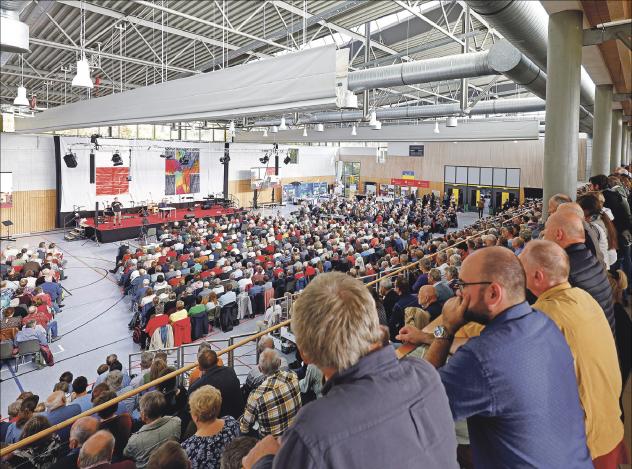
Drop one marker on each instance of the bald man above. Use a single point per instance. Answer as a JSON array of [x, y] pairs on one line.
[[565, 229], [428, 300], [515, 383], [80, 431], [591, 235], [97, 451], [587, 333]]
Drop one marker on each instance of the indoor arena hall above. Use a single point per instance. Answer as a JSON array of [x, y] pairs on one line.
[[315, 234]]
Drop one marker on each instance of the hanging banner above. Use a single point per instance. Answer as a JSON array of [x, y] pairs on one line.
[[410, 183], [111, 180]]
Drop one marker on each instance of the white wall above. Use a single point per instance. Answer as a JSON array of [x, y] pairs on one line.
[[31, 159], [312, 161]]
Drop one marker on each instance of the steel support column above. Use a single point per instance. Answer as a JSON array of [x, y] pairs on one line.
[[367, 56], [602, 126], [564, 57], [624, 133], [615, 140]]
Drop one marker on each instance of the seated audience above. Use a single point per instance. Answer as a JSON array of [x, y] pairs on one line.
[[169, 455], [80, 431], [336, 328], [205, 448], [118, 425], [97, 453], [57, 411]]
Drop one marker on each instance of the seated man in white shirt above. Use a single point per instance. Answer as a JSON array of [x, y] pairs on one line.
[[228, 297]]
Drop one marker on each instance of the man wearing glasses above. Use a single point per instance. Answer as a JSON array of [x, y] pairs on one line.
[[515, 383]]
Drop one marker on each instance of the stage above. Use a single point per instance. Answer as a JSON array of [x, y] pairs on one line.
[[132, 223]]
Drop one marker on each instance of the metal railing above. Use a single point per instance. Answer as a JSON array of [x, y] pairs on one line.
[[401, 352]]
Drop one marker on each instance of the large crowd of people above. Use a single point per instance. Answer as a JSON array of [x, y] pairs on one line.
[[519, 322]]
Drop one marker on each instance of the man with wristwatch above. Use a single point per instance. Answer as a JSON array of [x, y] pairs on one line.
[[515, 383]]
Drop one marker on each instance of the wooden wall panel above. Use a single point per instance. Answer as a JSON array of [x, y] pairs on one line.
[[32, 211]]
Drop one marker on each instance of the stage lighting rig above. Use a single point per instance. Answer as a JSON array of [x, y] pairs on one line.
[[287, 159], [224, 159], [94, 141], [116, 159], [265, 158]]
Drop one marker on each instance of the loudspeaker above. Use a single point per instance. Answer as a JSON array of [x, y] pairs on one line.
[[188, 216], [96, 214], [92, 168], [71, 160]]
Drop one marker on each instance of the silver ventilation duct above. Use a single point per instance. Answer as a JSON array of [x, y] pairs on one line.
[[14, 35], [525, 24], [500, 106]]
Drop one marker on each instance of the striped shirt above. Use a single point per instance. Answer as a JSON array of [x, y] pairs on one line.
[[274, 404]]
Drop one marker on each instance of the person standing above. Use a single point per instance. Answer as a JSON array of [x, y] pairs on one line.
[[480, 205], [117, 208]]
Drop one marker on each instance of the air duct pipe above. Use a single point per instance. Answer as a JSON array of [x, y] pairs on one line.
[[500, 106], [14, 35], [525, 24]]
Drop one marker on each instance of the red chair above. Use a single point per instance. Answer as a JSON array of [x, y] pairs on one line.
[[181, 332]]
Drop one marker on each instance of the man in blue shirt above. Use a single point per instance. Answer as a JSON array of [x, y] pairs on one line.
[[515, 383]]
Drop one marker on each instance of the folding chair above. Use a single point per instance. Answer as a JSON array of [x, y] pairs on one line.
[[6, 351], [26, 349]]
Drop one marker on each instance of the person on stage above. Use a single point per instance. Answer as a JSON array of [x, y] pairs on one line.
[[117, 208]]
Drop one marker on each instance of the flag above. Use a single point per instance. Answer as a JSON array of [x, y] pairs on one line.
[[408, 175]]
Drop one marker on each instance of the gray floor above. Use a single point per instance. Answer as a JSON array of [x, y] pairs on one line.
[[94, 321]]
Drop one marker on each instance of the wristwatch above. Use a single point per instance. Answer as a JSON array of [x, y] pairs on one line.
[[441, 332]]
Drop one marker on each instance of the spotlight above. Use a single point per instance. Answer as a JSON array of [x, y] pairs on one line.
[[287, 160], [264, 159], [70, 159], [94, 141], [224, 159], [116, 159]]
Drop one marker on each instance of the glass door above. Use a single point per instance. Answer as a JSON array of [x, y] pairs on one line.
[[351, 177]]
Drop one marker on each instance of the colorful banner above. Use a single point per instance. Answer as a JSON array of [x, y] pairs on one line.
[[410, 183], [182, 171], [408, 174]]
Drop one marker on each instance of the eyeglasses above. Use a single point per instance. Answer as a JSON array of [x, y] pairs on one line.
[[461, 284]]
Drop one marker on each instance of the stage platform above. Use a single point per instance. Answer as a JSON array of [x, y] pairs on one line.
[[132, 223]]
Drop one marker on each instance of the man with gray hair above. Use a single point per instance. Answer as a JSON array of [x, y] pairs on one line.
[[114, 380], [369, 396], [57, 411], [157, 429], [80, 431], [275, 403], [255, 376], [146, 359], [97, 451]]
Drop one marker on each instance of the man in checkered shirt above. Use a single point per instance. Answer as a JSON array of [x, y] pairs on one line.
[[275, 403]]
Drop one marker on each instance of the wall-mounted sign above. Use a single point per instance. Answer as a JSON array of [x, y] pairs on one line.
[[410, 183]]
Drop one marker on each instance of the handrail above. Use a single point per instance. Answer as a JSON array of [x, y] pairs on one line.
[[401, 352]]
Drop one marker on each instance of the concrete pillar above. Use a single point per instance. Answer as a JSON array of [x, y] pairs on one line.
[[602, 126], [564, 57], [615, 139], [624, 135]]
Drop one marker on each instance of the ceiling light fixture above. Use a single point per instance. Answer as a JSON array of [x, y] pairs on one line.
[[373, 120], [305, 131], [320, 128], [231, 128], [452, 122], [436, 127], [283, 126], [354, 130], [21, 100], [82, 78], [274, 129], [265, 132], [377, 126]]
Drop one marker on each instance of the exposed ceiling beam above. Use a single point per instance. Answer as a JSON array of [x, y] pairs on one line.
[[332, 26], [619, 30], [150, 24], [210, 23], [429, 21], [108, 55]]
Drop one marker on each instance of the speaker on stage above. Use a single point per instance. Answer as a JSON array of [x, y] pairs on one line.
[[96, 214], [71, 160], [92, 168]]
